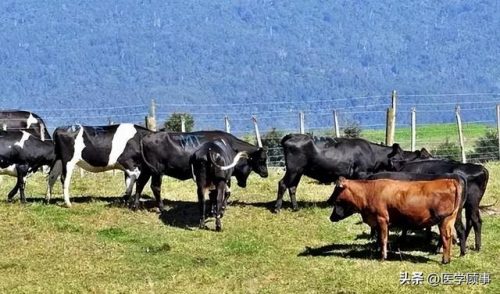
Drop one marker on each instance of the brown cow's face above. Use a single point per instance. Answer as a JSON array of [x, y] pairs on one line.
[[342, 207]]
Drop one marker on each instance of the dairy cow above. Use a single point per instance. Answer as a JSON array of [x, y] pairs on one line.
[[21, 154], [97, 149]]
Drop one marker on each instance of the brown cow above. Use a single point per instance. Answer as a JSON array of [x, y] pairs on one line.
[[406, 204]]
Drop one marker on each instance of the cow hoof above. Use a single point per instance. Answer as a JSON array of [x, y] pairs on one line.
[[295, 209], [218, 229], [445, 261], [67, 205], [9, 200]]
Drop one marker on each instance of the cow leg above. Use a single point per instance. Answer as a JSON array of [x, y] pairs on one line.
[[13, 192], [221, 187], [286, 182], [67, 173], [292, 190], [202, 193], [476, 224], [22, 172], [212, 202], [383, 234], [445, 231], [130, 179], [156, 188], [459, 227], [55, 172], [139, 187], [226, 197]]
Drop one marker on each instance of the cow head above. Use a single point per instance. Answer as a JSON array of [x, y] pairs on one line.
[[257, 162], [402, 157], [340, 197]]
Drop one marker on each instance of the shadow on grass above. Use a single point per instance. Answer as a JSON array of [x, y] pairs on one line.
[[111, 200], [361, 251], [286, 205], [419, 240]]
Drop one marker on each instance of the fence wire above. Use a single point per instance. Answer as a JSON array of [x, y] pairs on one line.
[[436, 128]]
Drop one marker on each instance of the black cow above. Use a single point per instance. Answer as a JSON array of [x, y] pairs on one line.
[[97, 149], [24, 120], [169, 154], [22, 153], [329, 159], [212, 166], [477, 179]]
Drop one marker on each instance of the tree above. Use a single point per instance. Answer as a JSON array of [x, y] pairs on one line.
[[272, 140], [352, 130], [173, 123]]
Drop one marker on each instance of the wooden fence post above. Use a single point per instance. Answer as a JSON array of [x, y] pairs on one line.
[[257, 133], [151, 118], [498, 128], [460, 133], [301, 122], [413, 128], [336, 124], [183, 123], [389, 128], [227, 126]]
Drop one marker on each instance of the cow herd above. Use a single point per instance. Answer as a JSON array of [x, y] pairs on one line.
[[388, 186]]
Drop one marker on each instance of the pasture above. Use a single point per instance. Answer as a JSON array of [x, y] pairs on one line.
[[100, 246]]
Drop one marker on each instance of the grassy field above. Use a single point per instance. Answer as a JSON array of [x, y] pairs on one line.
[[430, 136], [100, 246]]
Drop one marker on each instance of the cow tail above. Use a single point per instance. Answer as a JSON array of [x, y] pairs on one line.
[[192, 171], [461, 192], [141, 149], [240, 155]]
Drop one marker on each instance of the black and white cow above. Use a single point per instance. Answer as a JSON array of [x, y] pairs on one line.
[[212, 166], [20, 120], [21, 154], [97, 149], [169, 154]]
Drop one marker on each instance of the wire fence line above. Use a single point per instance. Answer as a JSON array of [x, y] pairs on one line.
[[436, 128]]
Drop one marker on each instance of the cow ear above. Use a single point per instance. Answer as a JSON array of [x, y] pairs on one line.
[[340, 182], [424, 154], [396, 150]]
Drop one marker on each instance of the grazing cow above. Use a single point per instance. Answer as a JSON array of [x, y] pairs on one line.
[[21, 154], [477, 179], [212, 166], [24, 120], [97, 149], [169, 154], [330, 158], [406, 204], [407, 176]]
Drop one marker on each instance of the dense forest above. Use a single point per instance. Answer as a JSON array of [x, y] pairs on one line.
[[233, 57]]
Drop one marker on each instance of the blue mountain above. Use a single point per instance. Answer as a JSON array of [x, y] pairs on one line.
[[98, 61]]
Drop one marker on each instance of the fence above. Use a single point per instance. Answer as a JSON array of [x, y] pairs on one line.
[[434, 118]]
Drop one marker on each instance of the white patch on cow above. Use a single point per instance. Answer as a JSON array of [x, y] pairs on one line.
[[131, 177], [70, 165], [10, 170], [31, 120], [24, 138], [123, 134]]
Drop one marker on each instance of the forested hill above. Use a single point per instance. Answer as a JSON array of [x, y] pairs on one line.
[[86, 54]]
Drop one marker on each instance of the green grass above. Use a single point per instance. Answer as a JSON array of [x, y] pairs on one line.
[[98, 246], [430, 136]]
